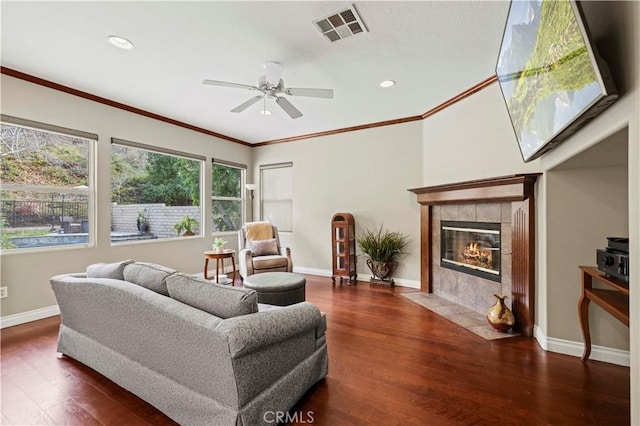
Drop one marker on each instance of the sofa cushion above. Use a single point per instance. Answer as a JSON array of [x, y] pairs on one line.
[[148, 275], [219, 300], [264, 247], [108, 270]]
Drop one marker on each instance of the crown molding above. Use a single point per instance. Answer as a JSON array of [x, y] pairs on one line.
[[343, 130], [470, 91], [52, 85], [70, 90]]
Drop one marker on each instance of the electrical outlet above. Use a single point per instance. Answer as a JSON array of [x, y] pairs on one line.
[[4, 292]]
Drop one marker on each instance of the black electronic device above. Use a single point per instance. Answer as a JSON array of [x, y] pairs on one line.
[[618, 243], [614, 260]]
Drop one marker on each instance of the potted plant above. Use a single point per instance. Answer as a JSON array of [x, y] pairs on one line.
[[382, 247], [218, 244], [184, 226], [142, 222]]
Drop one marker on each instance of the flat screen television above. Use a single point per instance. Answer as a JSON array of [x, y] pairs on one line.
[[552, 79]]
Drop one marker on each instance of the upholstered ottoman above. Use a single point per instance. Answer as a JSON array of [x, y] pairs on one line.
[[277, 288]]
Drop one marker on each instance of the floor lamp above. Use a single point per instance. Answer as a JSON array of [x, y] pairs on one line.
[[251, 187]]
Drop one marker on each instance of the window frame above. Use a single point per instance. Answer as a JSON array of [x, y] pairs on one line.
[[263, 181], [168, 152], [242, 199], [90, 190]]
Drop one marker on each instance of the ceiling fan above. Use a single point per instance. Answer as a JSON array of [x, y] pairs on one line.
[[271, 86]]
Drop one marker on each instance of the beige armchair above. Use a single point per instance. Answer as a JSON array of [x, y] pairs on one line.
[[260, 250]]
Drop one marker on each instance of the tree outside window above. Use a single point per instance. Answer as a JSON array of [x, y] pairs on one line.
[[45, 178], [226, 197], [152, 191]]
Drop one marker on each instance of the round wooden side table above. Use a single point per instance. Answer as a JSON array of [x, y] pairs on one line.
[[220, 257]]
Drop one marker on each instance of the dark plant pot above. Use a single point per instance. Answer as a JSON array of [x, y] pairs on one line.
[[142, 228], [382, 270]]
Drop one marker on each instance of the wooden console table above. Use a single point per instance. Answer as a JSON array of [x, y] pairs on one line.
[[615, 301]]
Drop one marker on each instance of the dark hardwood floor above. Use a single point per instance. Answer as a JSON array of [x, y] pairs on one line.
[[390, 362]]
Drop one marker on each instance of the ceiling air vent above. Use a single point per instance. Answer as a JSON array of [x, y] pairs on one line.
[[341, 24]]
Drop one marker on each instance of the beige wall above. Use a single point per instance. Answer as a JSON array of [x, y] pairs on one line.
[[365, 173], [634, 216], [472, 139], [27, 275], [584, 206]]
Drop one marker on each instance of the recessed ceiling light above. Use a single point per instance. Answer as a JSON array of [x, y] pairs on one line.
[[120, 42], [387, 83], [265, 112]]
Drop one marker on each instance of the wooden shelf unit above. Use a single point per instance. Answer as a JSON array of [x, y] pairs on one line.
[[343, 247], [615, 301]]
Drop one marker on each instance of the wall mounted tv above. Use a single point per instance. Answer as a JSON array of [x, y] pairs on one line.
[[550, 74]]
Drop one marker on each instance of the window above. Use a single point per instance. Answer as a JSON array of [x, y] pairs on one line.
[[226, 195], [46, 181], [276, 199], [155, 193]]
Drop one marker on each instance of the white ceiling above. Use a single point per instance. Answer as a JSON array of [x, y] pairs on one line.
[[434, 50]]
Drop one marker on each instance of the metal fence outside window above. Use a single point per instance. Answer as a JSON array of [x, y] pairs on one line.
[[42, 213]]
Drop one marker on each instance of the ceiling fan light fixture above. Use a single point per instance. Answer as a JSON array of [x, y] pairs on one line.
[[270, 86], [120, 42], [387, 83]]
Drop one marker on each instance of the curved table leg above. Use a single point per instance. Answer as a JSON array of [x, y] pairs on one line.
[[583, 312], [206, 267]]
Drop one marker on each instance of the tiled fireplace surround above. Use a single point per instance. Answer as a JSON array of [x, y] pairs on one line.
[[464, 289], [508, 200]]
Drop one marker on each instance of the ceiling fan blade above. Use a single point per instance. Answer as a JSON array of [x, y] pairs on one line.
[[246, 104], [273, 72], [288, 108], [227, 84], [314, 93]]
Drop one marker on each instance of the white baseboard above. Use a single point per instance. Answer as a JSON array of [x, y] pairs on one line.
[[568, 347], [24, 317], [401, 282], [312, 271], [361, 277]]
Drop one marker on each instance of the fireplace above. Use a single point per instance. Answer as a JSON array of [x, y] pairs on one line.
[[471, 247], [508, 200]]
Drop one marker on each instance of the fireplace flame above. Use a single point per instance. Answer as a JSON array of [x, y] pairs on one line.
[[475, 252]]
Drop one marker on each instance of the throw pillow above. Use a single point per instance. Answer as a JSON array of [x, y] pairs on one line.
[[148, 275], [220, 300], [264, 247], [108, 270], [255, 231]]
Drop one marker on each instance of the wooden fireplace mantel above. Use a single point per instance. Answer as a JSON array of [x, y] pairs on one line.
[[505, 188], [519, 190]]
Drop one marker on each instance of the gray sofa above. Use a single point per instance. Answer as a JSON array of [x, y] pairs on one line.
[[201, 353]]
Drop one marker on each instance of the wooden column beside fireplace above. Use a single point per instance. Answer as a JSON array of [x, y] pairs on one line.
[[517, 189]]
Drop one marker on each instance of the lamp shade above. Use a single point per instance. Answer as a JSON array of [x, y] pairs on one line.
[[251, 186]]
